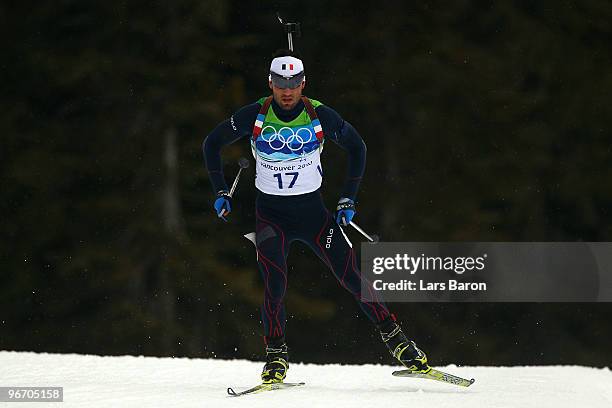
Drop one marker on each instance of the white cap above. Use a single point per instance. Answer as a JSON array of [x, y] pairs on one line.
[[287, 66]]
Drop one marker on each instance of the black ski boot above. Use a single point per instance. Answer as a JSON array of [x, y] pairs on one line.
[[404, 350], [277, 362]]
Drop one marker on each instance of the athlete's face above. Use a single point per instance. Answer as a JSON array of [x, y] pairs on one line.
[[287, 98]]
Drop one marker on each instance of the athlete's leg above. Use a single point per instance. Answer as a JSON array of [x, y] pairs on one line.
[[327, 242], [272, 248]]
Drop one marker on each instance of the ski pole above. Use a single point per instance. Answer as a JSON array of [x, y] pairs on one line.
[[373, 238], [243, 163], [348, 241]]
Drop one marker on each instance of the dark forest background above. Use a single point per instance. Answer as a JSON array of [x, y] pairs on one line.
[[485, 121]]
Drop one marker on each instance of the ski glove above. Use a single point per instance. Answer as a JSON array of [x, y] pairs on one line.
[[223, 204], [345, 211]]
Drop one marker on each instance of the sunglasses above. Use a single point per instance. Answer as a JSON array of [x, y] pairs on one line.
[[280, 81]]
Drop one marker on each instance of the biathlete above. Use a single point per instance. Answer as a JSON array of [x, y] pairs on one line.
[[286, 132]]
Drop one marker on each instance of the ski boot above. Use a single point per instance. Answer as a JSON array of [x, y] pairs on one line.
[[404, 350], [277, 363]]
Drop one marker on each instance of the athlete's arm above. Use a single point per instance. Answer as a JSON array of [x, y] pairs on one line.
[[345, 135], [239, 126]]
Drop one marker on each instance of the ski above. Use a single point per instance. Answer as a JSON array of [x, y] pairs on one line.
[[436, 375], [263, 387]]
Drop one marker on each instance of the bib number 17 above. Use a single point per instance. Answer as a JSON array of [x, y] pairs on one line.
[[279, 177]]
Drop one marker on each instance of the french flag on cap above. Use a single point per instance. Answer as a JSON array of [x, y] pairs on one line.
[[286, 66]]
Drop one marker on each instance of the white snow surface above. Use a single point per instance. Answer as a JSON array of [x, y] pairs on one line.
[[129, 381]]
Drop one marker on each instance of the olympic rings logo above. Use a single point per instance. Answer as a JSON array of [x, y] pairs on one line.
[[293, 140]]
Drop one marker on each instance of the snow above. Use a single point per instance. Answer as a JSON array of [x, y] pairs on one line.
[[128, 381]]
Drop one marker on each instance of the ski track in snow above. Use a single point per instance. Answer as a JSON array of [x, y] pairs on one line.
[[129, 381]]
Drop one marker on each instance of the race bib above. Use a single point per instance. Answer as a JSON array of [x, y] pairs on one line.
[[288, 160], [298, 176]]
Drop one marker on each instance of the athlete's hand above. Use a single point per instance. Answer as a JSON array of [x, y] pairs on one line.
[[223, 204], [345, 211]]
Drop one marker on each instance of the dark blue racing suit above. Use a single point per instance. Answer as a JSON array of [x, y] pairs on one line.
[[282, 219]]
